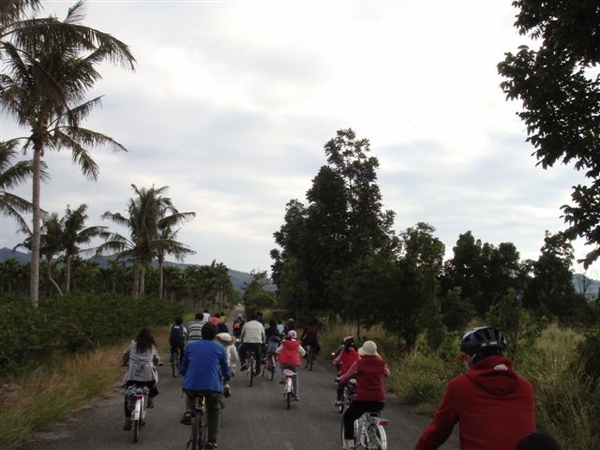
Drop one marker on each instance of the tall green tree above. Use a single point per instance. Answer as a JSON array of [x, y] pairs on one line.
[[150, 212], [559, 87], [11, 176], [342, 223], [48, 67], [75, 234]]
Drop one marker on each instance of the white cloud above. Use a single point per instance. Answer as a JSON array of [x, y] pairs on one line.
[[232, 102]]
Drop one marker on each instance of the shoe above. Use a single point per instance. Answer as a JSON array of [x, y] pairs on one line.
[[186, 419], [211, 445], [338, 403], [226, 391], [127, 425], [150, 403], [282, 382], [244, 367], [296, 398]]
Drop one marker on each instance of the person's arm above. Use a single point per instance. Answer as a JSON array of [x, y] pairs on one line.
[[350, 374], [225, 369], [301, 351], [440, 428]]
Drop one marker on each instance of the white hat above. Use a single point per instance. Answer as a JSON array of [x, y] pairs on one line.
[[225, 338], [369, 348]]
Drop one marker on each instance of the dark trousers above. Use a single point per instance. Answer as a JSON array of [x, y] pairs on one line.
[[251, 347], [354, 411], [213, 410]]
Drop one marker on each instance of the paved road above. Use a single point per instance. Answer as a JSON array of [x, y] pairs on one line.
[[253, 418]]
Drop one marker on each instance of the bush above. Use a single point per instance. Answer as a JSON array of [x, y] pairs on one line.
[[72, 323]]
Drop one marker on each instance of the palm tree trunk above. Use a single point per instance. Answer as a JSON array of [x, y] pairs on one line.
[[68, 274], [52, 279], [160, 280], [34, 279]]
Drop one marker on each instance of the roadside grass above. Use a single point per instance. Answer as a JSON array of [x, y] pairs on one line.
[[47, 396], [566, 403]]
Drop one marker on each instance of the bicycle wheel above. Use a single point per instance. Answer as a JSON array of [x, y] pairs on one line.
[[175, 364], [271, 369], [377, 437], [251, 369], [308, 350], [288, 399], [136, 420], [342, 404]]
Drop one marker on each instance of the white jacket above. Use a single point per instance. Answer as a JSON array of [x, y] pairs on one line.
[[253, 332]]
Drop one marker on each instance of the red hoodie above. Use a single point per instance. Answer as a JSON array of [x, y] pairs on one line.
[[494, 405]]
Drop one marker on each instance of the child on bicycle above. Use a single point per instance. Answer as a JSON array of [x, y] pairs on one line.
[[177, 337], [344, 360], [289, 354]]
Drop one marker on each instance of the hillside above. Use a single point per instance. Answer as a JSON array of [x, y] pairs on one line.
[[239, 279]]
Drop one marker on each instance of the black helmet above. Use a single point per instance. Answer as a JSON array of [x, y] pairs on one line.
[[479, 338]]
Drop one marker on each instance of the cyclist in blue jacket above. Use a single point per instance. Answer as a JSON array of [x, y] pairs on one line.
[[204, 368]]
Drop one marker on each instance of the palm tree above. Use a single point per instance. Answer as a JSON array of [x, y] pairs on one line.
[[50, 66], [74, 234], [10, 177], [150, 218]]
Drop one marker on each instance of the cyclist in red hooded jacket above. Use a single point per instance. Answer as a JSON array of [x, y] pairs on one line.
[[493, 404]]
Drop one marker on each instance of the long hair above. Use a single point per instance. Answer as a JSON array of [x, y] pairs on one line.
[[144, 340]]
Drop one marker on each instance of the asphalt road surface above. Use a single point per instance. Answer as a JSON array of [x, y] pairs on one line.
[[253, 418]]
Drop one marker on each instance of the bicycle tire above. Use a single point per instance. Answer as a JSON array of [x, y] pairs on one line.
[[308, 349], [271, 369], [377, 437], [175, 364], [251, 369], [288, 399], [199, 431], [311, 359], [136, 420]]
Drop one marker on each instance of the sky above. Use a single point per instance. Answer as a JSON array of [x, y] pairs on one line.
[[232, 102]]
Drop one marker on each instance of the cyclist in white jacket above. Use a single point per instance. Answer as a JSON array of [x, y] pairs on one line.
[[252, 338]]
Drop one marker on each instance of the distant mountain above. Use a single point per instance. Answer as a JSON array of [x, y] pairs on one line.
[[239, 280]]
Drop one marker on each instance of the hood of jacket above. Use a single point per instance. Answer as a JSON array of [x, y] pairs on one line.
[[495, 374]]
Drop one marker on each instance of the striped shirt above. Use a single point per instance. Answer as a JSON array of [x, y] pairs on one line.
[[195, 330]]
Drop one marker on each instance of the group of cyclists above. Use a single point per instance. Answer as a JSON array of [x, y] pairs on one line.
[[493, 404]]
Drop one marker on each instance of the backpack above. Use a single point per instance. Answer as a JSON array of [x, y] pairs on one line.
[[176, 335]]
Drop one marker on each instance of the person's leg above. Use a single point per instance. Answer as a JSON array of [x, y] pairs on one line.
[[258, 350], [242, 354], [213, 409], [354, 411]]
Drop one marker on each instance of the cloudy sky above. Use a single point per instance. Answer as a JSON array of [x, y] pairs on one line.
[[232, 102]]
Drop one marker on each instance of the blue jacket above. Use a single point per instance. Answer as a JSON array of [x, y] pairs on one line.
[[204, 366]]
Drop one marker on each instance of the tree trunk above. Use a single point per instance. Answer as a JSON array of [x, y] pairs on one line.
[[68, 274], [34, 266], [160, 280]]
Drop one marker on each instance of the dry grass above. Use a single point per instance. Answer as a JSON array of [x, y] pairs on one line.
[[47, 396]]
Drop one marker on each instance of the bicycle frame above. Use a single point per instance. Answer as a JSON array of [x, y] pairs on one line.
[[288, 386], [199, 433]]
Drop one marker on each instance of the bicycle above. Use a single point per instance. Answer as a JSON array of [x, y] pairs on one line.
[[175, 362], [288, 386], [348, 395], [369, 432], [269, 366], [310, 357], [137, 403], [199, 433]]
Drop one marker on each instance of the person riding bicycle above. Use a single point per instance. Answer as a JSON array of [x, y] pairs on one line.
[[492, 402], [141, 359], [177, 337], [204, 368], [369, 372], [227, 341], [309, 336], [289, 354], [344, 360], [195, 327], [252, 339], [238, 323], [273, 339]]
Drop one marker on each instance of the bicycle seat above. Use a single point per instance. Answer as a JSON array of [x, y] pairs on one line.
[[289, 373]]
